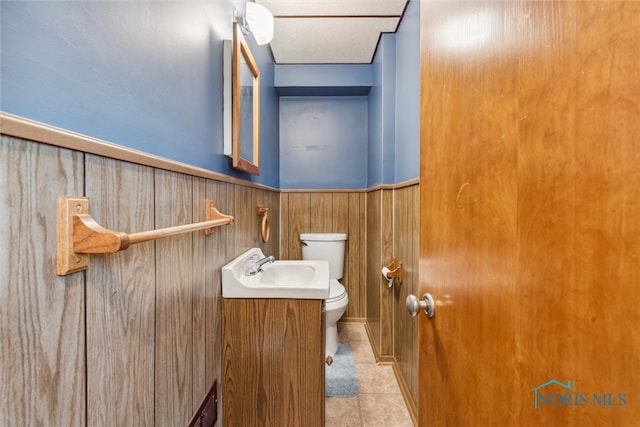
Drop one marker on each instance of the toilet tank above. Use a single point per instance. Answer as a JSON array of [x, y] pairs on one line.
[[325, 247]]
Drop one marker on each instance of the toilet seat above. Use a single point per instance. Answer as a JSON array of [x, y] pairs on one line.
[[336, 291]]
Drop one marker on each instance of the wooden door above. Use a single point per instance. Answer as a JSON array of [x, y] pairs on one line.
[[530, 213]]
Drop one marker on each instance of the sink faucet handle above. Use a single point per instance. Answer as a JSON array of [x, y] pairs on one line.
[[256, 266], [249, 264]]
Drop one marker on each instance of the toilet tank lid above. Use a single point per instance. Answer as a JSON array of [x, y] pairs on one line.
[[323, 237]]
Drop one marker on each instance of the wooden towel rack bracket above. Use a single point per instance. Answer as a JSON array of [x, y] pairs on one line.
[[80, 235]]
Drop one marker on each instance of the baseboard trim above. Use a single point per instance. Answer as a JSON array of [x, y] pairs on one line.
[[381, 359], [391, 360], [406, 395], [356, 320]]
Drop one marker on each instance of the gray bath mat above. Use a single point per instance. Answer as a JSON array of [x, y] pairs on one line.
[[341, 377]]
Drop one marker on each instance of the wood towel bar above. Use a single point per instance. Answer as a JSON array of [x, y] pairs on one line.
[[80, 235]]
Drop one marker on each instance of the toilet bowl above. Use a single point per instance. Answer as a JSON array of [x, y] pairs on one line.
[[335, 306], [329, 247]]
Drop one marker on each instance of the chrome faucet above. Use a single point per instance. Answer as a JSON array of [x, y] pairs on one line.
[[257, 266]]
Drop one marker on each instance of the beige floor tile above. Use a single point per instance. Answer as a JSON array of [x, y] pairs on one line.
[[362, 352], [377, 378], [380, 401], [379, 410], [343, 333], [355, 332], [342, 412]]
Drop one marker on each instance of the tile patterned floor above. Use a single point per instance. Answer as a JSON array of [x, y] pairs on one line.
[[380, 401]]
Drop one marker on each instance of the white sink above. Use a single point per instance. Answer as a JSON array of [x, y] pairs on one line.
[[279, 279], [287, 273]]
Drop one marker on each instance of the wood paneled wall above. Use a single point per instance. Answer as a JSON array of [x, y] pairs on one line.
[[374, 259], [406, 226], [42, 320], [380, 224], [392, 232], [136, 339], [380, 253], [330, 212], [121, 293]]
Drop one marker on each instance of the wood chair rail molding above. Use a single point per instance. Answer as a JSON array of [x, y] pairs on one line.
[[37, 132], [79, 235]]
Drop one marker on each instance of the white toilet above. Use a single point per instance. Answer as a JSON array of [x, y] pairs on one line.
[[329, 247]]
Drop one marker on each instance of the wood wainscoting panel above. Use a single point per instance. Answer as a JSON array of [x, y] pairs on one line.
[[320, 213], [386, 293], [270, 200], [329, 212], [373, 264], [246, 222], [202, 299], [152, 343], [355, 278], [224, 197], [284, 226], [219, 250], [121, 297], [211, 253], [205, 299], [42, 332], [340, 215], [405, 328], [174, 282], [298, 221]]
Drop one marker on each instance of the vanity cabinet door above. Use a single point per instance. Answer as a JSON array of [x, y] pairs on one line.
[[273, 362]]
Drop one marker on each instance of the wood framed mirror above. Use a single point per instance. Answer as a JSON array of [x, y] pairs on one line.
[[245, 96]]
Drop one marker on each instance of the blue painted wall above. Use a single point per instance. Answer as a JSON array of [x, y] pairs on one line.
[[148, 75], [382, 114], [145, 75], [387, 151], [407, 128], [394, 104], [323, 142]]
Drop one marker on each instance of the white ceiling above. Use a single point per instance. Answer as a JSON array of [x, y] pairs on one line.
[[330, 31]]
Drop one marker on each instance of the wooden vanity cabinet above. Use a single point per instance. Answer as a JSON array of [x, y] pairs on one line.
[[273, 362]]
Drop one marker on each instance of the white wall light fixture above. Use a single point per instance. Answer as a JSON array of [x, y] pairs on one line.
[[258, 21]]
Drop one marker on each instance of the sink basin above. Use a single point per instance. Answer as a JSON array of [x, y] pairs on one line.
[[287, 273], [280, 279]]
